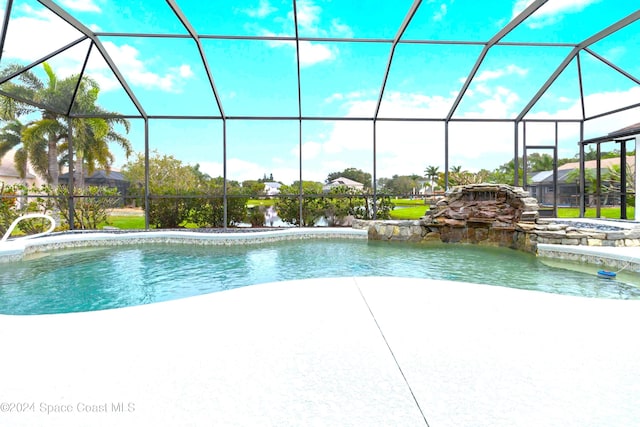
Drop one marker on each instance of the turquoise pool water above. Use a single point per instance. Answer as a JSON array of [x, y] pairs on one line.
[[96, 279]]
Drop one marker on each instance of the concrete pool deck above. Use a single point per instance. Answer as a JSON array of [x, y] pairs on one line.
[[361, 351], [329, 352]]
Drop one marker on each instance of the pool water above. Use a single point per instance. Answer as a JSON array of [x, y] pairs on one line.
[[96, 279]]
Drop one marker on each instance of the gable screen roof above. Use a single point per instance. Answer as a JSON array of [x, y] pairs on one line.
[[381, 85]]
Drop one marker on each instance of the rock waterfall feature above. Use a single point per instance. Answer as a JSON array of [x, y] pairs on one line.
[[491, 214]]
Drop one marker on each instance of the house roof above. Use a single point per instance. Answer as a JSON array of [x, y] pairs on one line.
[[631, 128], [625, 134], [346, 181], [8, 168], [546, 177], [99, 174], [541, 176], [604, 163], [11, 171]]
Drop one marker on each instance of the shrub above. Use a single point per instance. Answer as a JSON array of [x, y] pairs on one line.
[[7, 206], [91, 205], [288, 205], [168, 212], [255, 216]]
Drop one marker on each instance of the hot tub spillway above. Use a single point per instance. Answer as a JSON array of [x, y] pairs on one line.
[[492, 214]]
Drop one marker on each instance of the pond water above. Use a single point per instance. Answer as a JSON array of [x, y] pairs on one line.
[[96, 279]]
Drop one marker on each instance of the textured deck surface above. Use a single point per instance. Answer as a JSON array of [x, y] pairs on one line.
[[330, 352]]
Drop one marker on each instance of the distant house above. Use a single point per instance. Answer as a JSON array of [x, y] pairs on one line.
[[541, 186], [9, 174], [102, 178], [423, 186], [343, 182], [272, 188]]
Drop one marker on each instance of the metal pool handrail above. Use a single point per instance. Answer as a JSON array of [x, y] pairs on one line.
[[27, 216]]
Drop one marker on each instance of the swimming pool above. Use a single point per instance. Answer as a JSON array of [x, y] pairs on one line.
[[112, 277]]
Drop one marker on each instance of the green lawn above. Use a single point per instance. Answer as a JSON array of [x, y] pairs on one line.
[[125, 222], [409, 202], [613, 213], [415, 210], [418, 211], [261, 202], [408, 208]]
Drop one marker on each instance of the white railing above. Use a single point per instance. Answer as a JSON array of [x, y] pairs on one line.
[[27, 216]]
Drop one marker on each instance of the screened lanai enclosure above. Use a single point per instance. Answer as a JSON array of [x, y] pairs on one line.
[[231, 109]]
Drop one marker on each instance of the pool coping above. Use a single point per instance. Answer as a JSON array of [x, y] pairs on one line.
[[627, 258], [17, 249]]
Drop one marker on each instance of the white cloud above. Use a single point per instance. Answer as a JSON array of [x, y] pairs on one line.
[[489, 75], [340, 29], [309, 20], [551, 12], [237, 169], [440, 14], [397, 104], [81, 5], [499, 101], [409, 147], [481, 88], [334, 97], [499, 73], [243, 170], [310, 150], [349, 136], [185, 71], [615, 53], [263, 10], [25, 45], [312, 53], [499, 105], [595, 104], [425, 141], [127, 60], [308, 15], [356, 94]]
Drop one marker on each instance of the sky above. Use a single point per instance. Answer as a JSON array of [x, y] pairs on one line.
[[341, 79]]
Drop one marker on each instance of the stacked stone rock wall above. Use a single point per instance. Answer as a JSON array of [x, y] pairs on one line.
[[497, 215], [558, 232], [483, 214]]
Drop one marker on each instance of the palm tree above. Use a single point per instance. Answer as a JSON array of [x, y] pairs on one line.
[[42, 139], [10, 138], [540, 162], [47, 137], [431, 173], [613, 176], [92, 147]]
